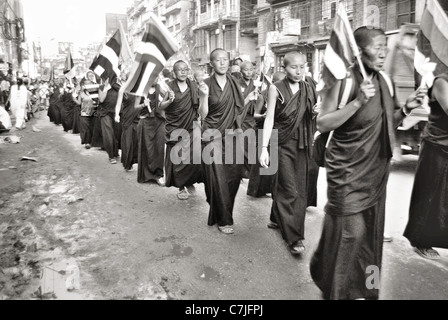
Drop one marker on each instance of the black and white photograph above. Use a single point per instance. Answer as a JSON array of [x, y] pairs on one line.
[[231, 157]]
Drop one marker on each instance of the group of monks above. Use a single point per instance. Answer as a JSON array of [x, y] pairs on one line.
[[179, 136]]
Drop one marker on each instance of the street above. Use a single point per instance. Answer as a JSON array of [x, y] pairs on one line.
[[138, 241]]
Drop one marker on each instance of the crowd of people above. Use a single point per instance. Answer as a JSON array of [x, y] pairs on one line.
[[229, 103]]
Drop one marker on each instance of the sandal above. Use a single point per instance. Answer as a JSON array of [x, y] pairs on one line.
[[428, 253], [297, 248], [226, 229], [183, 194]]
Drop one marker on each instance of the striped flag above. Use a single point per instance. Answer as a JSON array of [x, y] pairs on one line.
[[339, 53], [106, 65], [431, 53], [156, 48]]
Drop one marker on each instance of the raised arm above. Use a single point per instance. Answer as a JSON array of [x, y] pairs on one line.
[[330, 117], [203, 100]]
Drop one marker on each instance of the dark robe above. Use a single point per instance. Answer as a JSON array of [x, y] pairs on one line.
[[182, 114], [247, 121], [259, 186], [97, 135], [222, 181], [76, 118], [151, 141], [129, 118], [67, 111], [428, 213], [54, 111], [106, 111], [357, 165], [293, 120]]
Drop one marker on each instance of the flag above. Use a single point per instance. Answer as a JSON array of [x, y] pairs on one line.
[[111, 55], [35, 53], [52, 73], [156, 48], [69, 67], [431, 53], [339, 53]]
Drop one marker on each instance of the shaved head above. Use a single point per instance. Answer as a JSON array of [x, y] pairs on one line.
[[290, 56]]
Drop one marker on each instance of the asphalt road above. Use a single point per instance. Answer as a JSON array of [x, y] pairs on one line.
[[138, 241]]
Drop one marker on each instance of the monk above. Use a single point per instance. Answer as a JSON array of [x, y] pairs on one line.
[[181, 114], [220, 107], [357, 166], [290, 111]]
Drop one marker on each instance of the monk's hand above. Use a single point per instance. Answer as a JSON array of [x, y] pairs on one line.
[[171, 96], [264, 158], [416, 99], [316, 108], [203, 89], [366, 92], [117, 118], [253, 96]]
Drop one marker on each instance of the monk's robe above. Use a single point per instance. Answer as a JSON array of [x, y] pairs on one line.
[[357, 165], [106, 111], [151, 141], [67, 110], [76, 118], [259, 185], [222, 181], [247, 121], [181, 114], [129, 118], [293, 120], [428, 212], [97, 135], [54, 110]]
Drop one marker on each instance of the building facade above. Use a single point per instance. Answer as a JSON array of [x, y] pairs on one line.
[[12, 39]]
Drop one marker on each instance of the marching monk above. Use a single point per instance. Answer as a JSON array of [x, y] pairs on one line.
[[250, 95], [181, 114], [290, 111], [127, 112], [221, 103], [357, 165], [151, 138]]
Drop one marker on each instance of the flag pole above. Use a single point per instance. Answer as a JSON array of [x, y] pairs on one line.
[[351, 39]]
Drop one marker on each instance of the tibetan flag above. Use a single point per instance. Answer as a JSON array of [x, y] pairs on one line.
[[340, 52], [156, 48], [69, 65], [106, 65], [431, 53]]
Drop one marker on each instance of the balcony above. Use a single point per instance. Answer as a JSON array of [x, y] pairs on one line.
[[220, 12], [173, 6]]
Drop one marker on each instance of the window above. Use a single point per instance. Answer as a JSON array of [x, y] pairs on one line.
[[230, 37], [213, 41], [201, 45], [278, 22], [405, 12], [302, 12], [203, 6]]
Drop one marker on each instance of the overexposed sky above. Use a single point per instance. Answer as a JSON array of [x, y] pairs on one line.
[[78, 21]]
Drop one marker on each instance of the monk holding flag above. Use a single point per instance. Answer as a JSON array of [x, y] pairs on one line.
[[357, 165]]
